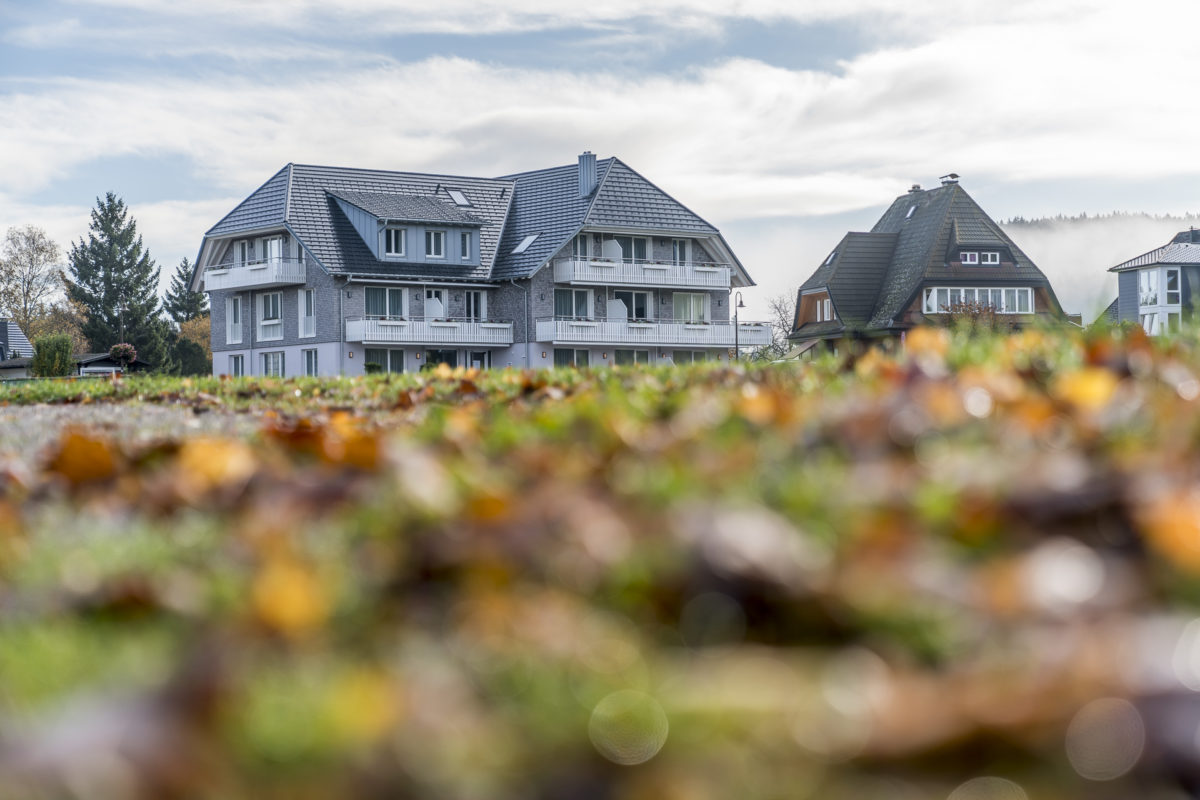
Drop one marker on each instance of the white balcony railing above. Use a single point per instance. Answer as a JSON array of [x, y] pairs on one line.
[[419, 330], [611, 272], [652, 332], [254, 274]]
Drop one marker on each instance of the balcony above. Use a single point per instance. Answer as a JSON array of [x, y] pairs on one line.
[[667, 274], [262, 274], [429, 331], [676, 333]]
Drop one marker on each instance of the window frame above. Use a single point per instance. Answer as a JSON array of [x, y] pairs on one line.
[[937, 298], [705, 307], [633, 246], [684, 246], [273, 324], [400, 235], [311, 369], [630, 309], [969, 258], [270, 356], [435, 236], [989, 258], [1168, 273], [464, 243], [391, 356], [478, 298], [588, 302], [306, 301], [574, 352], [389, 293], [237, 366], [624, 357], [234, 309]]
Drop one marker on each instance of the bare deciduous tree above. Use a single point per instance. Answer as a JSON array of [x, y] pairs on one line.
[[782, 308], [30, 274]]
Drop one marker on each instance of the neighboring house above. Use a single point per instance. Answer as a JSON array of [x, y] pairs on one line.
[[325, 269], [13, 342], [931, 253], [1157, 290], [85, 364]]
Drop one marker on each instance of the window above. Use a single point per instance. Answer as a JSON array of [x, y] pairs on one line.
[[1149, 323], [393, 242], [241, 252], [272, 364], [479, 359], [571, 303], [1148, 287], [564, 357], [458, 197], [911, 209], [384, 302], [270, 325], [969, 257], [941, 300], [308, 312], [1172, 283], [388, 360], [689, 356], [476, 305], [690, 307], [637, 304], [829, 260], [435, 244], [270, 249], [233, 320], [524, 245], [310, 362], [679, 251], [236, 366], [633, 248], [990, 258], [435, 304], [299, 250], [626, 357], [435, 357], [465, 244], [580, 246]]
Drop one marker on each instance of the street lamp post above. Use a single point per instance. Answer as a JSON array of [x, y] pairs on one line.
[[737, 351]]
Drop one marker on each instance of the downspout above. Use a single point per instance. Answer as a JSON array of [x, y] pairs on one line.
[[528, 321], [342, 331]]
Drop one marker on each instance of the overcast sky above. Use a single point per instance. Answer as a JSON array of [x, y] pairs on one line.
[[783, 122]]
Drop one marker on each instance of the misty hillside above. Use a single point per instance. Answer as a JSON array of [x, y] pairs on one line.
[[1076, 252]]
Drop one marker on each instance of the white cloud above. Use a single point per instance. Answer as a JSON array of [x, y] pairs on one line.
[[1002, 93]]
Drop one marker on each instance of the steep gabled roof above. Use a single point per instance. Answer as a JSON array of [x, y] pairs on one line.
[[1184, 248], [547, 204], [265, 207], [925, 239], [408, 208], [14, 338], [625, 199], [873, 277]]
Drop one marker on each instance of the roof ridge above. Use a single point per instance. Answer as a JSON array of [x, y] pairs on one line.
[[400, 172], [543, 170], [287, 201]]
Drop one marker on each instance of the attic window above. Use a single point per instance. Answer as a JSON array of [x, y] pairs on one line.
[[968, 257], [911, 209], [524, 245], [990, 257], [458, 197]]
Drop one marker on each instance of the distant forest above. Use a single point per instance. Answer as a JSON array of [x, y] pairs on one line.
[[1114, 216]]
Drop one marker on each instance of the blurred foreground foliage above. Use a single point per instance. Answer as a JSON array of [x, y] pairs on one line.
[[967, 570]]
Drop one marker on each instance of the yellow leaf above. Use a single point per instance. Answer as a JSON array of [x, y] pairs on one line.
[[289, 598], [82, 459], [211, 463], [364, 705], [1172, 526], [1088, 389]]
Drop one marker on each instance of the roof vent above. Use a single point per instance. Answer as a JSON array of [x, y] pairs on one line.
[[949, 179], [916, 187], [587, 173]]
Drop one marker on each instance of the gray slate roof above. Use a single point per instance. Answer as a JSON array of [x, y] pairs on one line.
[[13, 338], [508, 209], [409, 208], [1180, 250], [875, 276], [1112, 314]]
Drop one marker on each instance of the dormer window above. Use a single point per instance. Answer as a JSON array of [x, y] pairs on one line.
[[969, 257], [990, 258], [435, 244], [465, 245], [393, 242]]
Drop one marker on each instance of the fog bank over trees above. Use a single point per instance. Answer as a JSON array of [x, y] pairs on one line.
[[1075, 252]]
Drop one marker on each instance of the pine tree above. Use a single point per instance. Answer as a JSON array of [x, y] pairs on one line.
[[114, 280], [182, 304]]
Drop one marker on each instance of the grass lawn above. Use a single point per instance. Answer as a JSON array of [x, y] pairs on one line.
[[966, 571]]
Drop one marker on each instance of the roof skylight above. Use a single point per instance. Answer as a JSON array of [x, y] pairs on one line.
[[829, 260], [911, 209], [524, 245], [458, 197]]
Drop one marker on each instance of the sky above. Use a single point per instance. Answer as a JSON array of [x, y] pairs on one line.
[[785, 123]]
